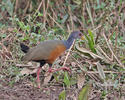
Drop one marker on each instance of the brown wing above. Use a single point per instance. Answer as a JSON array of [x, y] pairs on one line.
[[45, 50]]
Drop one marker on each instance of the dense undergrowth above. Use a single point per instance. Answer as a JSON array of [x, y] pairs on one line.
[[98, 60]]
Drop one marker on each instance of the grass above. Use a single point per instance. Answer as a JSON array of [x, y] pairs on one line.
[[102, 22]]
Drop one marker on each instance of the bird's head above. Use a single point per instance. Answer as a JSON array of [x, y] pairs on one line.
[[77, 34]]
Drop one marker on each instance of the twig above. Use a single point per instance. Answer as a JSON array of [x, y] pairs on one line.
[[80, 66], [39, 6], [99, 26], [110, 84], [54, 15], [116, 38], [70, 13], [45, 13], [94, 72], [38, 9], [68, 53], [104, 53], [16, 6], [112, 51], [89, 13], [23, 65], [55, 21], [25, 10]]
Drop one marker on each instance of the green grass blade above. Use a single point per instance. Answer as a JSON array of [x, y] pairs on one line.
[[62, 95], [90, 39], [83, 95], [66, 79]]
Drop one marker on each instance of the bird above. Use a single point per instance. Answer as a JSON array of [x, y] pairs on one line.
[[48, 51]]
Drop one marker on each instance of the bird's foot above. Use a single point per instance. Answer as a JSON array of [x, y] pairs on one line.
[[38, 85], [51, 70], [62, 68], [38, 80]]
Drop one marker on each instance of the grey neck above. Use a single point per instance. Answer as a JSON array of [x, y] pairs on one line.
[[69, 42]]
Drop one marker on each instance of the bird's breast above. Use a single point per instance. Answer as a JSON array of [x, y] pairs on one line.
[[56, 53]]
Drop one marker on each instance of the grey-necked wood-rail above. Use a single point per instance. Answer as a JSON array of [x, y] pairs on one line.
[[48, 51]]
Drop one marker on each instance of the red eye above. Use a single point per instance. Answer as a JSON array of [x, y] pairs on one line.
[[80, 34]]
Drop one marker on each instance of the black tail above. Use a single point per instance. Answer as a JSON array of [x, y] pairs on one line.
[[24, 48]]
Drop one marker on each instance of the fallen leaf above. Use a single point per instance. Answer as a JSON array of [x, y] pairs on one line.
[[73, 64], [23, 65], [100, 70], [88, 53], [28, 71], [34, 71], [81, 80], [47, 78], [10, 29], [25, 71]]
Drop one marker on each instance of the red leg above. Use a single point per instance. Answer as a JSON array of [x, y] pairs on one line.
[[62, 68], [38, 80], [50, 69]]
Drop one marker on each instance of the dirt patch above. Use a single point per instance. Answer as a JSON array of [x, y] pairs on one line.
[[22, 91]]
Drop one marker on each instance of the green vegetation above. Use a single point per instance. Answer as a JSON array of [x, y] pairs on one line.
[[101, 56]]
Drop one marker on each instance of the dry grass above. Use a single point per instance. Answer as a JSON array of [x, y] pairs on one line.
[[45, 20]]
